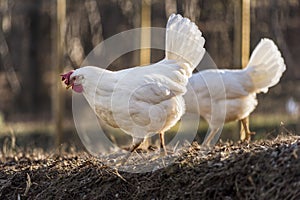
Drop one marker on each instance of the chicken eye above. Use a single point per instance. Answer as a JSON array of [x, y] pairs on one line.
[[74, 78]]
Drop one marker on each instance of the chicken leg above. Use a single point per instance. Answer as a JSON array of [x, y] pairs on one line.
[[135, 144], [210, 137], [246, 133], [162, 143]]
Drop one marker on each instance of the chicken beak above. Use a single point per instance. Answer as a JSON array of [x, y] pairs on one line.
[[68, 86]]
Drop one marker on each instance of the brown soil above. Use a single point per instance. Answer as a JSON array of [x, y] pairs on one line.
[[267, 169]]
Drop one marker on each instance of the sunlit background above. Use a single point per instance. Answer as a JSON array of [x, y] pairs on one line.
[[41, 39]]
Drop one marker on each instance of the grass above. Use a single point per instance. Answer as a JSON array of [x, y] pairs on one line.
[[31, 133]]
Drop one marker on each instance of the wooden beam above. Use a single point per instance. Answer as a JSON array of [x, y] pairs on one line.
[[237, 39], [58, 97], [245, 46], [145, 54], [245, 32]]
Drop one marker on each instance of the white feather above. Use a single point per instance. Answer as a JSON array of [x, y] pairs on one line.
[[265, 66], [148, 99], [229, 95]]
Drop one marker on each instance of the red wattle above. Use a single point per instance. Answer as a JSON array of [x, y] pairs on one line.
[[77, 88]]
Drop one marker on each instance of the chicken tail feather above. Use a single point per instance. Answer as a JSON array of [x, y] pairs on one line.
[[265, 66], [184, 43]]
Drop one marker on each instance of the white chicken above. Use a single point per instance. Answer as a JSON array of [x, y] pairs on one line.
[[149, 99], [234, 97]]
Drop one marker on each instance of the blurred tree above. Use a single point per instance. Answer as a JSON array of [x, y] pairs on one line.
[[191, 10], [9, 80], [170, 7], [58, 97], [94, 21], [279, 15], [26, 27], [217, 23]]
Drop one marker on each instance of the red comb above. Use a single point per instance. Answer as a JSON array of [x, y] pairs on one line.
[[66, 77]]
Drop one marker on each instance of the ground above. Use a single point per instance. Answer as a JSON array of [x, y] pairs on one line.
[[265, 169]]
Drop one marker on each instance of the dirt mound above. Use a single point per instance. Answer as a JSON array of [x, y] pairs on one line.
[[260, 170]]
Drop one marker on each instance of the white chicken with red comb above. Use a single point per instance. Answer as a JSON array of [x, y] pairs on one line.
[[144, 100]]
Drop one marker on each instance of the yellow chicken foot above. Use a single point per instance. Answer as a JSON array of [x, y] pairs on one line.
[[247, 131], [162, 144], [136, 143]]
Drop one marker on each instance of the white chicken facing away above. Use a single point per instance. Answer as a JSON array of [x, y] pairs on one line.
[[149, 99], [235, 98]]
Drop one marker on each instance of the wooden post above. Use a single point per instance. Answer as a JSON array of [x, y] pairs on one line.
[[245, 46], [145, 54], [245, 32], [237, 40], [58, 97]]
